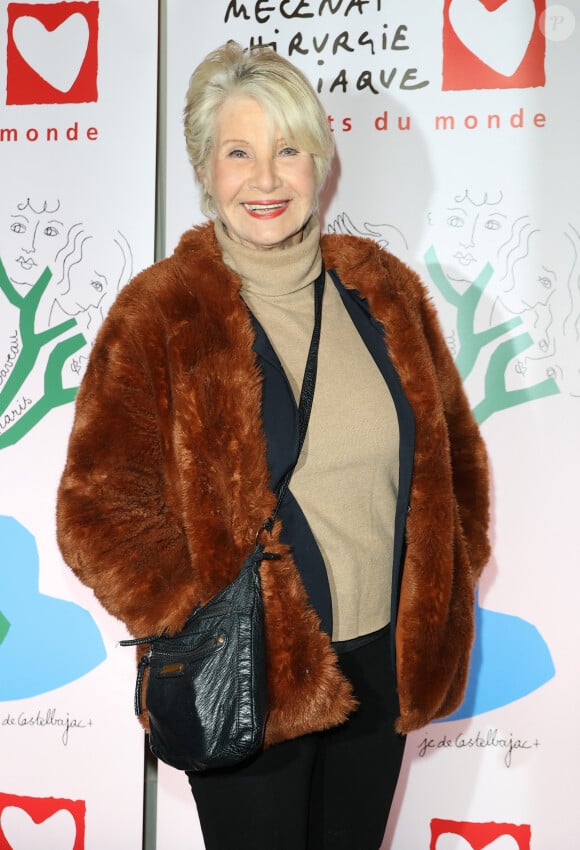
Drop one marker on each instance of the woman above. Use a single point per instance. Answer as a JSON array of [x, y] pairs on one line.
[[187, 419]]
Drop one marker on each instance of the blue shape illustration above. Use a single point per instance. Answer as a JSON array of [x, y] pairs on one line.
[[45, 642], [510, 659]]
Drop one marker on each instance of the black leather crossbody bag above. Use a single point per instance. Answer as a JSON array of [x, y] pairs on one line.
[[206, 692]]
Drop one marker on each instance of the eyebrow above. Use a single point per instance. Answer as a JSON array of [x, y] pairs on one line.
[[280, 140]]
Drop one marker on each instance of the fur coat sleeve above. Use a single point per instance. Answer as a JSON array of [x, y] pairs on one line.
[[116, 526]]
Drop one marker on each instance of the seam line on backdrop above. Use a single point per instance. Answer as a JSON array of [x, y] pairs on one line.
[[161, 154], [150, 772]]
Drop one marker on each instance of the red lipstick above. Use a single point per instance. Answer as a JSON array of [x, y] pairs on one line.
[[265, 210]]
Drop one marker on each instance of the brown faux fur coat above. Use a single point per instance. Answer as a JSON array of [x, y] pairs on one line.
[[166, 479]]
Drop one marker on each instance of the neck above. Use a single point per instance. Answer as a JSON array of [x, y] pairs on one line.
[[275, 271]]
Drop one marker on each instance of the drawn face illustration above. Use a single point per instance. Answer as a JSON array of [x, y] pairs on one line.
[[30, 243], [89, 279], [468, 236], [535, 277], [541, 288]]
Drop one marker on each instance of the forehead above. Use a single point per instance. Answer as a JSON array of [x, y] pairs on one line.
[[240, 114], [32, 218]]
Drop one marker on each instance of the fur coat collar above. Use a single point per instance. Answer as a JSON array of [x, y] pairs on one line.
[[166, 480]]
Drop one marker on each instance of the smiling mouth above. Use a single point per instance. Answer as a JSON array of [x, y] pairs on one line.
[[26, 263], [464, 259], [266, 209]]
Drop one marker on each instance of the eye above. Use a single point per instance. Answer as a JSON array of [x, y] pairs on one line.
[[455, 221], [17, 227], [97, 285], [492, 224], [50, 231], [288, 150], [236, 154], [545, 282]]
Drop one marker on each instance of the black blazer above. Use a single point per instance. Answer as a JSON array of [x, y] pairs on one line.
[[280, 420]]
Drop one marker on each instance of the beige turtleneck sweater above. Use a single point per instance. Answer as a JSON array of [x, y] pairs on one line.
[[346, 479]]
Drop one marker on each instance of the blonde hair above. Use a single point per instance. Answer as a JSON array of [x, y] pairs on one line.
[[282, 91]]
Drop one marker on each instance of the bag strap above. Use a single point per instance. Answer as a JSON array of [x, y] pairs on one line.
[[306, 397]]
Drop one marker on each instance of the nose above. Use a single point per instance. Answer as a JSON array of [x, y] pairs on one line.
[[265, 175], [30, 246], [468, 236]]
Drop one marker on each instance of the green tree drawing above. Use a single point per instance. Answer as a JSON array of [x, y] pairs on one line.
[[4, 627], [17, 418], [471, 344]]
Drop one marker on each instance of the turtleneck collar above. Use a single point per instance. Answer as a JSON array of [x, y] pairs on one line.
[[277, 271]]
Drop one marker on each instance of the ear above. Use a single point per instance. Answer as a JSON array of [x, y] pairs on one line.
[[203, 174]]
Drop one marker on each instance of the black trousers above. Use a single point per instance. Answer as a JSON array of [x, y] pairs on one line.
[[326, 791]]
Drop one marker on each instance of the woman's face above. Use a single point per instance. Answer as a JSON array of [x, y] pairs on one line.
[[90, 278], [263, 190], [468, 237], [535, 275], [36, 239]]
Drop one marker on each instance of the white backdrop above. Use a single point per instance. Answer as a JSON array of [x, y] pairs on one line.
[[77, 171], [457, 126]]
